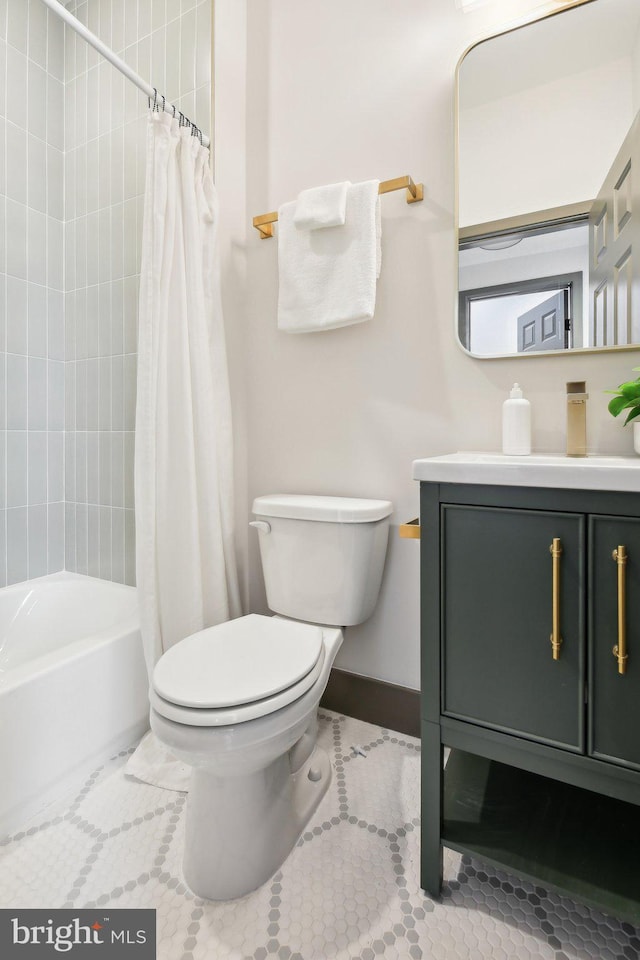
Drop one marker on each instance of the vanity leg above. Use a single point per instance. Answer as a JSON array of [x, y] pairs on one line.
[[432, 787]]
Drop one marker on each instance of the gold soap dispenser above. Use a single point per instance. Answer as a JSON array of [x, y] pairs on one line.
[[577, 418]]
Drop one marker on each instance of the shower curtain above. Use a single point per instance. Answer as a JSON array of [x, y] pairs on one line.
[[185, 563]]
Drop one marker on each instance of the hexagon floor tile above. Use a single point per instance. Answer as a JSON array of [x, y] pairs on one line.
[[349, 890]]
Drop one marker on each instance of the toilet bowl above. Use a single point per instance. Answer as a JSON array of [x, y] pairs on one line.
[[238, 701]]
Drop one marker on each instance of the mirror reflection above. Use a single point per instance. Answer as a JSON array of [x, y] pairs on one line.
[[548, 217]]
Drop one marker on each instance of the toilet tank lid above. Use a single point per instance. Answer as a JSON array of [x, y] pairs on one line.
[[327, 509]]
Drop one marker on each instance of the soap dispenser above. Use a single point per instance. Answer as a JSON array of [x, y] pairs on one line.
[[516, 424]]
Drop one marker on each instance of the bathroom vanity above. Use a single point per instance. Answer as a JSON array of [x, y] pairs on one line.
[[530, 580]]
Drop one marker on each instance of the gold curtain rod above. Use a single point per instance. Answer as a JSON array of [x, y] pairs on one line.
[[415, 192]]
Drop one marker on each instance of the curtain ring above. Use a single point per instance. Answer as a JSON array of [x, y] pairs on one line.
[[164, 103], [174, 110]]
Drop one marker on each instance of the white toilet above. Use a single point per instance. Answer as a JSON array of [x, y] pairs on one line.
[[238, 701]]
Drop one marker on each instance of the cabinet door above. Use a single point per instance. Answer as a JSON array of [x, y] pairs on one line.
[[614, 697], [498, 667]]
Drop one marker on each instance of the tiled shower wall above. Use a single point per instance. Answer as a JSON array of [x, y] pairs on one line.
[[31, 291], [79, 235]]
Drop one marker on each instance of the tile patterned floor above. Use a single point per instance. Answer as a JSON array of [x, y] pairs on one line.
[[348, 891]]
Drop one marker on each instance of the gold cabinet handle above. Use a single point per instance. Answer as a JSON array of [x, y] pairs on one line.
[[620, 650], [556, 640], [410, 530]]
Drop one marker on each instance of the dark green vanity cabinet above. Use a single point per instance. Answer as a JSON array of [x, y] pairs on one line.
[[543, 778]]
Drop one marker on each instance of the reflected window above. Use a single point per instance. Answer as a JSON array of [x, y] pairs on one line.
[[520, 318], [539, 308]]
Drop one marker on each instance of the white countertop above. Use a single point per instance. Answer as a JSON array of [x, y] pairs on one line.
[[537, 470]]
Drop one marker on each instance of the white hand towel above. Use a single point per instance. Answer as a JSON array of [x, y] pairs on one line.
[[322, 207], [328, 277]]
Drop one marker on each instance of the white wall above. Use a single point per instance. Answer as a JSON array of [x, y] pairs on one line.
[[357, 89]]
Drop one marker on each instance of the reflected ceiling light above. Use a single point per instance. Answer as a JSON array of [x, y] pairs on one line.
[[499, 243], [469, 4]]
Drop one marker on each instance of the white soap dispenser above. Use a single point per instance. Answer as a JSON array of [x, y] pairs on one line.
[[516, 424]]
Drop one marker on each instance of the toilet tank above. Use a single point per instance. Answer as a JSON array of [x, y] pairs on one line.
[[322, 557]]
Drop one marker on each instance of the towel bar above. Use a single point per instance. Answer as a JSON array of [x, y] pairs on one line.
[[410, 530], [415, 192]]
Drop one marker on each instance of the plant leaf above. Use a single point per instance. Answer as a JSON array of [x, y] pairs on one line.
[[618, 404], [631, 389], [635, 412]]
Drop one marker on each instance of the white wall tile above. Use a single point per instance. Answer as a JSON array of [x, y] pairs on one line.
[[117, 25], [3, 140], [144, 18], [188, 43], [70, 561], [17, 392], [17, 316], [37, 101], [3, 72], [55, 325], [117, 469], [36, 162], [81, 537], [55, 537], [55, 46], [117, 548], [93, 467], [37, 540], [16, 103], [55, 394], [105, 469], [17, 460], [37, 456], [16, 167], [37, 314], [55, 113], [105, 542], [37, 394], [37, 246], [16, 252], [55, 248], [55, 466], [70, 467], [93, 394], [17, 545], [37, 32], [18, 24]]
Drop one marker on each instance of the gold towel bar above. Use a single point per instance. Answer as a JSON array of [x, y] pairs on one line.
[[415, 192]]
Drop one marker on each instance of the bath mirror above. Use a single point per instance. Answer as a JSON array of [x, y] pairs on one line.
[[548, 190]]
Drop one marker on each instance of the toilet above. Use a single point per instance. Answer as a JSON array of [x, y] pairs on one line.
[[238, 701]]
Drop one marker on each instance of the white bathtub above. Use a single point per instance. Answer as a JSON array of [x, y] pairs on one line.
[[73, 686]]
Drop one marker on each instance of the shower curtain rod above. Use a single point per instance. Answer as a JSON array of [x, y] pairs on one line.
[[119, 64]]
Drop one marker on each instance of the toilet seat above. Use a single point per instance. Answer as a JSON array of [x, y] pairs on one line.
[[237, 671]]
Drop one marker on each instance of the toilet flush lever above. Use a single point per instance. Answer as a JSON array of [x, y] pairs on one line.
[[261, 525]]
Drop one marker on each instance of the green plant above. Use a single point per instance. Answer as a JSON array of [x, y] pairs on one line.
[[627, 397]]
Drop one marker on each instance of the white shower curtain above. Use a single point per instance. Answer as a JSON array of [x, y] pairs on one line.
[[185, 562]]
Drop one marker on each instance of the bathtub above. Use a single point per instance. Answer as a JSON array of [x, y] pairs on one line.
[[73, 686]]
